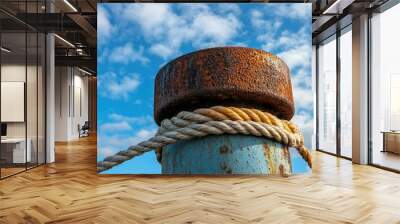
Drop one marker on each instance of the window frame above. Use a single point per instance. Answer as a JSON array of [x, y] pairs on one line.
[[333, 37]]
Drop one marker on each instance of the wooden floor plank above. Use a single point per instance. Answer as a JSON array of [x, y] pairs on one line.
[[70, 191]]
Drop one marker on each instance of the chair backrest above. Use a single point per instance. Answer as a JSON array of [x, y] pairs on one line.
[[86, 124]]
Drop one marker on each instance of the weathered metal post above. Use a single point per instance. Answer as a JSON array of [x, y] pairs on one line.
[[228, 76]]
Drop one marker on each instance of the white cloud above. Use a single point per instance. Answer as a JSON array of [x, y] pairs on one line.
[[102, 55], [288, 39], [213, 29], [302, 88], [269, 29], [258, 21], [167, 31], [103, 23], [256, 18], [293, 47], [145, 134], [161, 50], [273, 39], [115, 87], [116, 126], [120, 123], [306, 124], [226, 8], [105, 151], [111, 144], [189, 11], [153, 19], [303, 97], [304, 103], [293, 10], [122, 131], [126, 53], [140, 120], [268, 41], [299, 56], [302, 77]]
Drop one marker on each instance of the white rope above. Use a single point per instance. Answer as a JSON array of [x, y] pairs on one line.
[[187, 126]]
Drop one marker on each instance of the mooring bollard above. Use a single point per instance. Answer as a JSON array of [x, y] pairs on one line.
[[226, 154], [227, 76]]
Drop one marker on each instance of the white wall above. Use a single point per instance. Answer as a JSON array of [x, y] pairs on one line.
[[80, 89], [61, 103], [71, 87], [14, 72], [33, 126], [17, 73]]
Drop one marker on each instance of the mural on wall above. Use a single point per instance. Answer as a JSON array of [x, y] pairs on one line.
[[204, 88]]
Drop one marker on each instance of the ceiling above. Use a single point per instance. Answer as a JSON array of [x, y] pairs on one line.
[[331, 15], [76, 22]]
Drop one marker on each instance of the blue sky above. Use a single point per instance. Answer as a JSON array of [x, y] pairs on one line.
[[136, 40]]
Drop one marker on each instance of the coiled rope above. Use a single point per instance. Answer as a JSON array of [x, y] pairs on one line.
[[216, 120]]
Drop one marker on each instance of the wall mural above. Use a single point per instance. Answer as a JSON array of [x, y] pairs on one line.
[[204, 89]]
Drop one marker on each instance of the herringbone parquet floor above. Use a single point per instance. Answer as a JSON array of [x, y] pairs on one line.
[[70, 191]]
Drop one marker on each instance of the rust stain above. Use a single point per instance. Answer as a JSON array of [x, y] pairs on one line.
[[269, 158], [229, 76], [224, 149], [223, 165], [225, 168], [159, 154], [278, 160], [283, 171]]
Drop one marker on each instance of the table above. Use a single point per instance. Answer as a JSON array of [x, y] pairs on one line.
[[16, 153], [391, 141]]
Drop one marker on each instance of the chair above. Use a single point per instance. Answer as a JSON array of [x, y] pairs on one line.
[[84, 130]]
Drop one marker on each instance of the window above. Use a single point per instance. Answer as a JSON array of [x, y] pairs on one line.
[[22, 78], [327, 95], [346, 92], [385, 89]]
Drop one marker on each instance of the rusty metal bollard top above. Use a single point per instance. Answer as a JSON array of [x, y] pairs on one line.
[[229, 76]]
